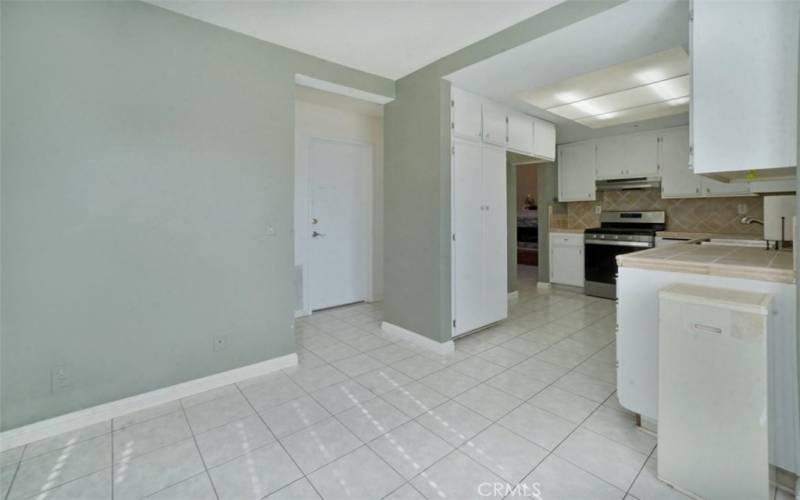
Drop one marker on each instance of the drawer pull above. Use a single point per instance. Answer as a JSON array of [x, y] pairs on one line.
[[707, 328]]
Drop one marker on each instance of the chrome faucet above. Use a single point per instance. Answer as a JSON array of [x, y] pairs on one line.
[[751, 220]]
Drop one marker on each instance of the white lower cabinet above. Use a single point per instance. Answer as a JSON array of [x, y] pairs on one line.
[[480, 279], [712, 391], [566, 259], [638, 352]]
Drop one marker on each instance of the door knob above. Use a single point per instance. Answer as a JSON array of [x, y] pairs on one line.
[[316, 234]]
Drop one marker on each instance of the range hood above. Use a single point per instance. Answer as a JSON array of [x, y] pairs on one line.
[[629, 184]]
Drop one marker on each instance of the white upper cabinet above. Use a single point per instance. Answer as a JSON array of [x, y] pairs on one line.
[[611, 155], [744, 85], [520, 133], [576, 165], [677, 181], [466, 114], [477, 119], [494, 124], [544, 139], [642, 157], [627, 156], [711, 187]]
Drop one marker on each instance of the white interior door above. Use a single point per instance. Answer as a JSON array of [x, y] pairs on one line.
[[467, 227], [338, 259]]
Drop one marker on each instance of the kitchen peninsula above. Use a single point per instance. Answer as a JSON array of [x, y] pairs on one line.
[[643, 274]]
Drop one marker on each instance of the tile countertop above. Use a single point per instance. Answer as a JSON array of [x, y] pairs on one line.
[[735, 262], [703, 236], [566, 230]]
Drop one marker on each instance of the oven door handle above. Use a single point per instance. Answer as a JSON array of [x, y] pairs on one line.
[[637, 244]]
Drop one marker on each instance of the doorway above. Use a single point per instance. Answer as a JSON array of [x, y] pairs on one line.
[[527, 216], [339, 180], [531, 191]]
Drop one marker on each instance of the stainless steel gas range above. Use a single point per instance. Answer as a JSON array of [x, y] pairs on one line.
[[619, 233]]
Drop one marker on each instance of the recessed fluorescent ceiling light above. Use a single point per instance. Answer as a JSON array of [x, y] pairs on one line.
[[649, 87]]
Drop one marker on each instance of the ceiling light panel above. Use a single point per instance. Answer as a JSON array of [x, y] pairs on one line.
[[648, 112], [655, 67], [667, 90]]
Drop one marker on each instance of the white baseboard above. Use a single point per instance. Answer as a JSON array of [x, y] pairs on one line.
[[513, 297], [100, 413], [542, 284], [301, 313], [420, 340]]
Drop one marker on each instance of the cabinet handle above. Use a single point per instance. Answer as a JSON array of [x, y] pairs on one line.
[[707, 328]]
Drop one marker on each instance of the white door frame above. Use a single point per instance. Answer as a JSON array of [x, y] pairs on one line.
[[304, 226]]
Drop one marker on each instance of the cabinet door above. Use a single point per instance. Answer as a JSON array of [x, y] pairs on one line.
[[566, 263], [641, 155], [495, 227], [467, 220], [611, 158], [520, 133], [544, 139], [494, 124], [712, 187], [744, 59], [465, 114], [677, 181], [576, 164]]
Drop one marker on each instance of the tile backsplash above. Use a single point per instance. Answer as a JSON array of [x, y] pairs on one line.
[[691, 215]]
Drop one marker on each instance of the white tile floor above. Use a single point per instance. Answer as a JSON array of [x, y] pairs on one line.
[[530, 401]]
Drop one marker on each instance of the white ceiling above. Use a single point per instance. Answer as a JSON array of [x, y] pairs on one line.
[[648, 87], [386, 38], [630, 31]]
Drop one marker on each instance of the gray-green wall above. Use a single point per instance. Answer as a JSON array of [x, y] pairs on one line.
[[417, 175], [511, 206], [547, 194], [144, 156]]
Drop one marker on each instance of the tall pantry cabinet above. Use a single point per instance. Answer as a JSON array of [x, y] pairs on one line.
[[478, 215], [480, 278]]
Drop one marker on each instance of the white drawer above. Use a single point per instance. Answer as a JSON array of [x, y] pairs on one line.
[[567, 238]]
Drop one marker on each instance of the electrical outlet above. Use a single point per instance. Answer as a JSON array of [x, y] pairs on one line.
[[598, 209], [220, 342], [60, 380], [741, 208]]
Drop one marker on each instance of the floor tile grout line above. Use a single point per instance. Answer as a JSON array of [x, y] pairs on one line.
[[197, 447], [578, 466], [280, 443], [628, 491], [16, 471], [111, 425], [476, 354], [59, 485], [25, 459]]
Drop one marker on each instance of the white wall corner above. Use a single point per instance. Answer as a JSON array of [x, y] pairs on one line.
[[418, 339], [114, 409]]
